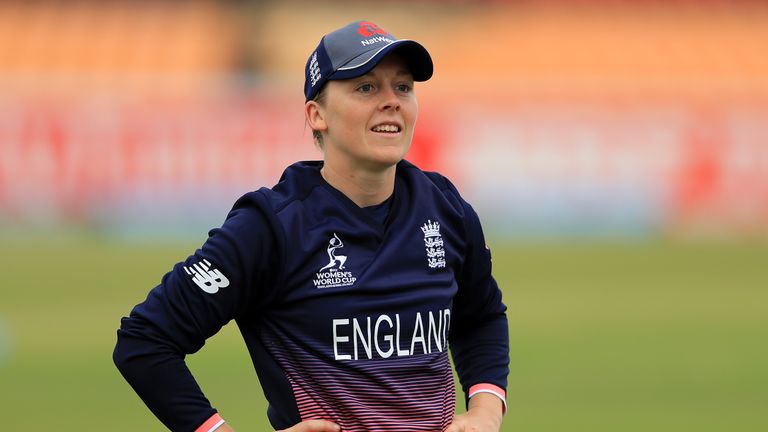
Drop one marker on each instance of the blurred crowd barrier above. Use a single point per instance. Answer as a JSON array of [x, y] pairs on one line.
[[589, 117]]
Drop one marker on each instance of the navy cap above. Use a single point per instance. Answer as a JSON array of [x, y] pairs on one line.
[[357, 48]]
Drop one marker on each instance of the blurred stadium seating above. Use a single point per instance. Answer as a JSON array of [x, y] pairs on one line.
[[556, 118], [563, 120]]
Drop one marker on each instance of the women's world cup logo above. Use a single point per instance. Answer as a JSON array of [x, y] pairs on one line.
[[334, 274], [333, 244]]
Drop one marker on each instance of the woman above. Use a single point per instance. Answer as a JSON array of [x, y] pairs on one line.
[[348, 279]]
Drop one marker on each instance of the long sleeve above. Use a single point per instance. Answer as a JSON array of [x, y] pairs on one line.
[[219, 282], [479, 330]]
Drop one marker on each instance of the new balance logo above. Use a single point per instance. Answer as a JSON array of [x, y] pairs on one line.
[[209, 280]]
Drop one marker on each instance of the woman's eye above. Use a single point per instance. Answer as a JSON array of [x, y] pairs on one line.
[[405, 88], [365, 88]]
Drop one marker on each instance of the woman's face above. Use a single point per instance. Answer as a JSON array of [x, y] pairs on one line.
[[367, 122]]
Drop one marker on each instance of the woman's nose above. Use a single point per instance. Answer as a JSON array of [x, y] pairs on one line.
[[389, 100]]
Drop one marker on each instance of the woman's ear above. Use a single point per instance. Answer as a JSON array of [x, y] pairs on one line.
[[314, 115]]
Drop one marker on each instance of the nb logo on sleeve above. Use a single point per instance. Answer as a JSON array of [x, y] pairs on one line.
[[209, 280]]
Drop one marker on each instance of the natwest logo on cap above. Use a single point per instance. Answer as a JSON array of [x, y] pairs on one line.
[[369, 29], [354, 50]]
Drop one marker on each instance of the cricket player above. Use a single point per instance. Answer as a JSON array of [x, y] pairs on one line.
[[350, 280]]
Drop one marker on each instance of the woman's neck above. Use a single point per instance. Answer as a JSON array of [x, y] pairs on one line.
[[365, 188]]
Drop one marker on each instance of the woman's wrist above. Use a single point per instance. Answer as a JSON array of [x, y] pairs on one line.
[[488, 404]]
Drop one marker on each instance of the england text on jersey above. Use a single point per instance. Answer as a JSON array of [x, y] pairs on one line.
[[381, 337]]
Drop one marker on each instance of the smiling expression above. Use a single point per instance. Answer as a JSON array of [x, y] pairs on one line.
[[367, 122]]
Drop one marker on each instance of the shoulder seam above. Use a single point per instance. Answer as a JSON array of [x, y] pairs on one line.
[[281, 205]]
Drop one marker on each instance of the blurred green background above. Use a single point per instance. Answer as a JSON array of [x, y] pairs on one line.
[[604, 336]]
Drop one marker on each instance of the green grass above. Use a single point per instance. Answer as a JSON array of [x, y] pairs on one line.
[[649, 336]]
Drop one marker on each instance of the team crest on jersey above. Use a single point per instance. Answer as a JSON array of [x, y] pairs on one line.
[[433, 242], [334, 274], [208, 279]]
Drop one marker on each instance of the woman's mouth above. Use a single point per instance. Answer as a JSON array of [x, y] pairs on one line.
[[386, 128]]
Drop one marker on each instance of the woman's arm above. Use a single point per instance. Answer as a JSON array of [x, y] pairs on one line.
[[217, 283]]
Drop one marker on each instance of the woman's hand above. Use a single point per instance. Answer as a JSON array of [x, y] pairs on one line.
[[313, 426], [484, 415], [305, 426]]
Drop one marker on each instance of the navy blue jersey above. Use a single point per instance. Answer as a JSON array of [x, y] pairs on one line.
[[347, 312]]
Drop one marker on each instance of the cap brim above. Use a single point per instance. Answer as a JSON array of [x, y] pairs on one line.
[[415, 55]]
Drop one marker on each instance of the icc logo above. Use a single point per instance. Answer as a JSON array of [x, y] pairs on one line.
[[369, 29]]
